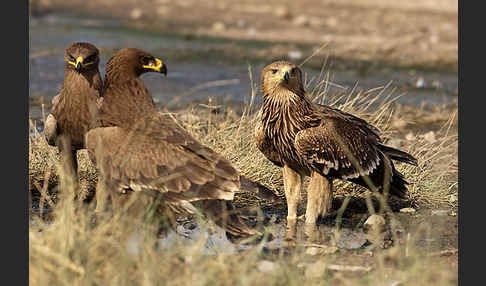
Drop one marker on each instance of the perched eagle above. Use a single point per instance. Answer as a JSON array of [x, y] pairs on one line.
[[140, 149], [74, 109], [309, 139]]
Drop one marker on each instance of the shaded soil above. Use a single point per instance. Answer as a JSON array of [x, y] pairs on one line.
[[409, 34]]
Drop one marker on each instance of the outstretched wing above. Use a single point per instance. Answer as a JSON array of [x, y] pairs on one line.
[[339, 148], [159, 155]]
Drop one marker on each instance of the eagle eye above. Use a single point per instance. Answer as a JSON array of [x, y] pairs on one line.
[[274, 71], [145, 60], [90, 58]]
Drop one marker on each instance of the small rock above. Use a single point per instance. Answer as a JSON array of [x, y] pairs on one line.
[[399, 123], [321, 250], [282, 12], [429, 137], [408, 210], [374, 223], [301, 20], [439, 212], [420, 83], [136, 13], [434, 39], [295, 55], [266, 266], [410, 136], [313, 251], [219, 26], [251, 31], [396, 283], [453, 198]]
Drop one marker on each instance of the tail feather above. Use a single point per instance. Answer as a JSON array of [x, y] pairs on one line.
[[398, 185], [398, 155]]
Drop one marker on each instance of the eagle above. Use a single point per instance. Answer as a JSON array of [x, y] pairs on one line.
[[74, 109], [138, 149], [325, 143]]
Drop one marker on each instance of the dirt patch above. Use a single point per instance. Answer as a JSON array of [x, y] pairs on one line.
[[409, 34]]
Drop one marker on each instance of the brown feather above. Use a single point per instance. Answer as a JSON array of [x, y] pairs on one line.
[[140, 148], [309, 137], [74, 108]]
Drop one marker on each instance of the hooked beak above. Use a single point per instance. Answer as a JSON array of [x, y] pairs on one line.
[[78, 64], [157, 66], [286, 77]]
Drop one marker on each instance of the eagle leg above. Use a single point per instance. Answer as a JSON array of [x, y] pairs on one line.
[[319, 198], [102, 194], [292, 184]]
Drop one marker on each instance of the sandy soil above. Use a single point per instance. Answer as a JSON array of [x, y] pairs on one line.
[[407, 33]]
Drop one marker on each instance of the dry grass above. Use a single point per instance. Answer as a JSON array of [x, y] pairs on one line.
[[119, 250]]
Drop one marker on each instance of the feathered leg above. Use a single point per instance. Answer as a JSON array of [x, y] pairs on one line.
[[319, 202], [319, 198], [101, 195], [292, 184]]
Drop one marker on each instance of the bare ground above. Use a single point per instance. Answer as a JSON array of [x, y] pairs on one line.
[[406, 34]]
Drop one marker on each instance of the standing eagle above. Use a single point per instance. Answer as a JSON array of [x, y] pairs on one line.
[[308, 139], [139, 148], [74, 109]]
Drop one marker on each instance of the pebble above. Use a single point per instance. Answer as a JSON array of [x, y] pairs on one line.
[[408, 210], [295, 55], [321, 250], [453, 198], [374, 223], [266, 266], [301, 20], [252, 31], [136, 13], [219, 26], [420, 83], [429, 137], [282, 12], [410, 136]]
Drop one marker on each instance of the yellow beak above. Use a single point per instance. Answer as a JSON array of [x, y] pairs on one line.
[[283, 75], [78, 64], [156, 67]]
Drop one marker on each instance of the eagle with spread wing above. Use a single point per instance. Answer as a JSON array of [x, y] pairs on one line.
[[74, 109], [308, 139], [140, 149]]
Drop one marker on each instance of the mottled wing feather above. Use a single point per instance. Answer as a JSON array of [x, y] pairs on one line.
[[265, 145], [338, 148], [365, 126], [158, 155]]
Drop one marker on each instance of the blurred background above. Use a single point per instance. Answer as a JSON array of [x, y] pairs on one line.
[[216, 49]]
